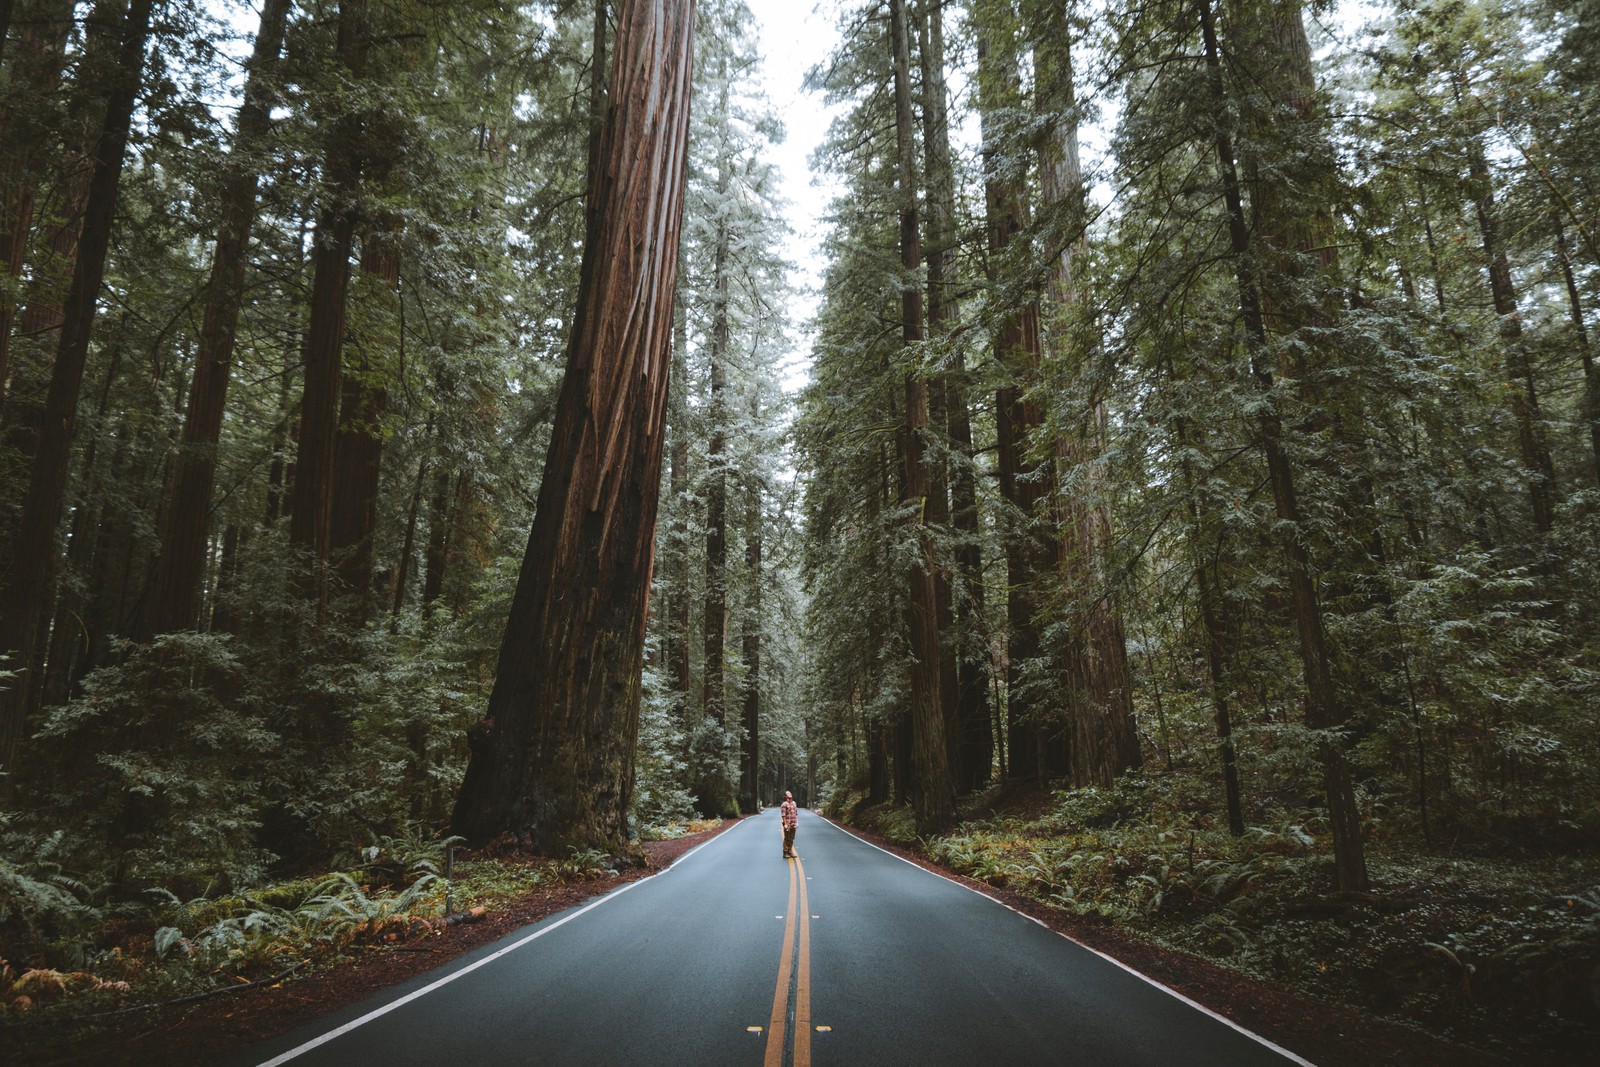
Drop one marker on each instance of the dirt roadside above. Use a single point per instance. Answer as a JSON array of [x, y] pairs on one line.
[[1328, 1035]]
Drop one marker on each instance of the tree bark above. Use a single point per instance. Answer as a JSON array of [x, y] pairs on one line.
[[750, 650], [25, 589], [678, 636], [311, 499], [1324, 711], [363, 403], [1591, 377], [1103, 738], [933, 796], [408, 546], [554, 759], [185, 515], [1018, 421], [32, 78], [715, 621], [1532, 448], [940, 247], [972, 735]]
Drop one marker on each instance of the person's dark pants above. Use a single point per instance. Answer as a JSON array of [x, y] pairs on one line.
[[788, 841]]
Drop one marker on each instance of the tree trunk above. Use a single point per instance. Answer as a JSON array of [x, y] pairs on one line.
[[973, 739], [715, 621], [1591, 377], [554, 759], [440, 521], [185, 515], [311, 499], [1323, 709], [941, 250], [750, 744], [678, 636], [55, 210], [1103, 738], [1017, 423], [363, 402], [933, 796], [33, 77], [408, 547], [1524, 392], [1217, 618], [222, 617], [25, 590], [973, 736], [77, 632]]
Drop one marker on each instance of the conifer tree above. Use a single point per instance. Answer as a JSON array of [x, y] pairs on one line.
[[554, 757]]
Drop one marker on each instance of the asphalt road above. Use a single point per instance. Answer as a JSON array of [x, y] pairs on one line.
[[848, 956]]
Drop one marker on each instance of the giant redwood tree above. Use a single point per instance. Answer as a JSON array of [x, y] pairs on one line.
[[932, 793], [27, 585], [185, 516], [553, 759]]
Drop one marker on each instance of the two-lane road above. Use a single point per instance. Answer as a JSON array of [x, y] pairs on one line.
[[847, 956]]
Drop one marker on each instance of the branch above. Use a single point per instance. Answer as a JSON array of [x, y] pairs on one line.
[[192, 997]]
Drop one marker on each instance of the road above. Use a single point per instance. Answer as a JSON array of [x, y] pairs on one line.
[[846, 957]]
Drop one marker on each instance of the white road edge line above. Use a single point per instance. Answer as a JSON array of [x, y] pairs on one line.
[[1251, 1034], [323, 1039]]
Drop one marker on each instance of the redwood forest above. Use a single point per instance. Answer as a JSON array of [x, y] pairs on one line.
[[1142, 459]]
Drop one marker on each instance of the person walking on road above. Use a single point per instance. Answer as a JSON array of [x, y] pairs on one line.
[[789, 812]]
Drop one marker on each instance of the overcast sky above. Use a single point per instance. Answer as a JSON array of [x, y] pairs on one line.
[[795, 36]]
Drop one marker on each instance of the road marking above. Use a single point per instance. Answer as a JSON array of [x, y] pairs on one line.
[[802, 986], [780, 997], [798, 967], [323, 1039], [1196, 1005]]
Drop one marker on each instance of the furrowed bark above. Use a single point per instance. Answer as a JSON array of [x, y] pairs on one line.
[[1103, 741], [933, 796], [1017, 423], [25, 591], [554, 759], [311, 499], [1323, 709], [185, 520]]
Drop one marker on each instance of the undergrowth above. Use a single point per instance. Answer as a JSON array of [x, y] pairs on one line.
[[68, 951], [1487, 946]]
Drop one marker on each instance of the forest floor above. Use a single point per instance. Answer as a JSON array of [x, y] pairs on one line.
[[1338, 1007], [203, 1032], [1328, 1034]]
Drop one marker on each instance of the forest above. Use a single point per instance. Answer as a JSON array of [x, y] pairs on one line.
[[1189, 516]]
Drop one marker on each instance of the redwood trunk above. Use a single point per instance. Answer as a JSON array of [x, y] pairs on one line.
[[1591, 377], [554, 760], [440, 521], [1017, 424], [943, 390], [933, 795], [358, 447], [408, 547], [311, 498], [34, 74], [1323, 709], [187, 510], [1524, 392], [678, 636], [715, 622], [750, 744], [26, 587], [1103, 738]]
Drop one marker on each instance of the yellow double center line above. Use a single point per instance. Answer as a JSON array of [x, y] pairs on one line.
[[801, 973]]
